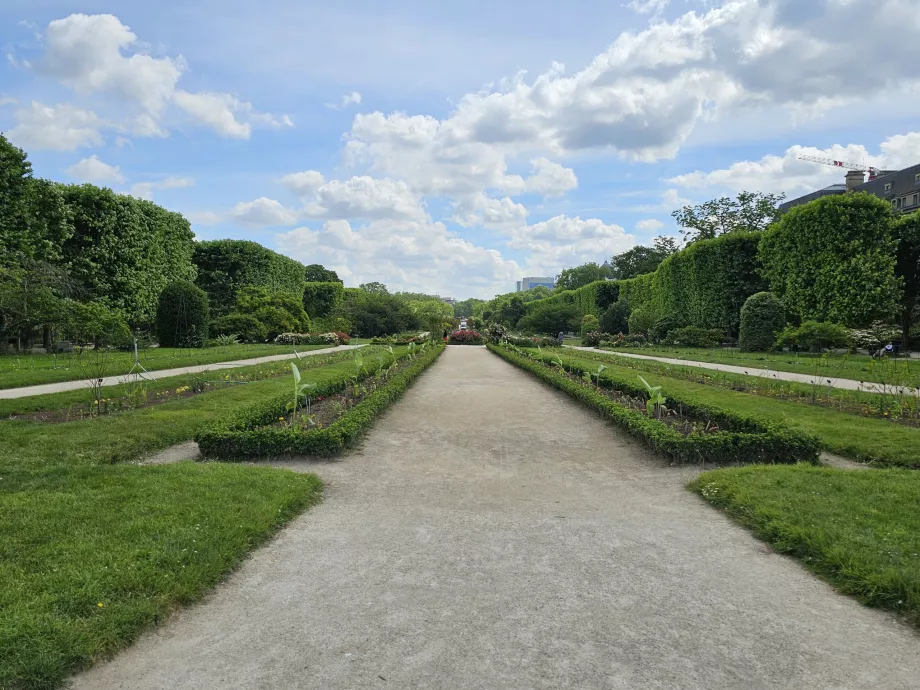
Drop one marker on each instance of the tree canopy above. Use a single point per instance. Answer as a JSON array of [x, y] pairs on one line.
[[750, 211], [640, 260], [315, 273], [574, 278]]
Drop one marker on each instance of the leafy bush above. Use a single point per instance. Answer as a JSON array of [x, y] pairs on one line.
[[330, 339], [762, 319], [694, 336], [589, 322], [225, 341], [551, 319], [93, 322], [496, 332], [465, 338], [278, 312], [244, 326], [815, 336], [620, 340], [663, 327], [319, 299], [535, 341], [875, 336], [375, 314], [615, 318], [641, 321], [741, 438], [182, 316]]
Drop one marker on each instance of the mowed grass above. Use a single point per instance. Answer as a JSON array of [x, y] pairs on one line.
[[892, 371], [78, 530], [17, 371], [859, 530], [865, 439]]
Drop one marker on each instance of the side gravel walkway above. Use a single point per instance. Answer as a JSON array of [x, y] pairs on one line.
[[823, 381], [492, 534], [9, 393]]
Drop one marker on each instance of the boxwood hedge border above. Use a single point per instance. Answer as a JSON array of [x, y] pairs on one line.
[[249, 434], [743, 440]]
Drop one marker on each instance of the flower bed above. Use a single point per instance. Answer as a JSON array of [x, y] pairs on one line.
[[418, 339], [255, 432], [701, 433], [536, 341], [465, 338], [330, 339]]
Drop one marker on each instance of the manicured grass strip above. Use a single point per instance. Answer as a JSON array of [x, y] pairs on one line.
[[249, 434], [87, 564], [741, 439], [868, 440], [858, 530], [31, 370], [898, 371]]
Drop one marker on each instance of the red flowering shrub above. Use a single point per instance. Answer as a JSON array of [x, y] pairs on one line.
[[344, 338], [465, 338]]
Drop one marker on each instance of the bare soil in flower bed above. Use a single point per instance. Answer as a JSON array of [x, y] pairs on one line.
[[674, 418]]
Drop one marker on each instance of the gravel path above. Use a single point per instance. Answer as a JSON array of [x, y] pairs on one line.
[[823, 381], [494, 535], [44, 389]]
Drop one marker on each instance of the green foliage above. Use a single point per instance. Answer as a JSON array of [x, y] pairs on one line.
[[640, 260], [663, 327], [315, 273], [510, 307], [94, 322], [641, 321], [551, 318], [373, 314], [320, 299], [907, 268], [374, 288], [248, 434], [815, 336], [694, 336], [740, 439], [834, 259], [227, 266], [574, 278], [637, 292], [278, 311], [615, 318], [182, 316], [244, 326], [750, 212], [589, 322], [762, 318], [465, 308]]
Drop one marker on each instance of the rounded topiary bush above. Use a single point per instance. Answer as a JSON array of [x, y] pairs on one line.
[[663, 327], [641, 321], [589, 323], [763, 318], [615, 318], [245, 327], [182, 315]]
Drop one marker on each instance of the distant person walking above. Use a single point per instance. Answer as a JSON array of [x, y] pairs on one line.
[[561, 338]]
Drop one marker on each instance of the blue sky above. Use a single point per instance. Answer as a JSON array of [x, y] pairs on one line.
[[455, 147]]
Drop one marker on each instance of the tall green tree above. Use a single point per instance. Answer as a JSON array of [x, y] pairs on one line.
[[750, 211], [375, 288], [465, 308], [574, 278], [315, 273], [907, 267], [640, 260]]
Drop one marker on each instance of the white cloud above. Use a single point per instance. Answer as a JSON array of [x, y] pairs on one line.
[[561, 241], [353, 98], [5, 101], [216, 110], [490, 213], [263, 213], [901, 150], [94, 170], [652, 7], [550, 179], [649, 225], [303, 183], [204, 217], [365, 197], [405, 255], [145, 190], [62, 127]]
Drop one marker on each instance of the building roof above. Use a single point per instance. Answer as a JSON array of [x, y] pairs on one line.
[[827, 191], [901, 182]]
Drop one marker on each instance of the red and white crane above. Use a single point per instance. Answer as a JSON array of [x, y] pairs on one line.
[[873, 172]]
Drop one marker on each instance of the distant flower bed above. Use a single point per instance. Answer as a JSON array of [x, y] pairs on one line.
[[331, 339], [465, 338], [403, 339], [535, 341]]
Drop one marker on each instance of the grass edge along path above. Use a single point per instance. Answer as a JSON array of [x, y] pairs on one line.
[[868, 440], [859, 531]]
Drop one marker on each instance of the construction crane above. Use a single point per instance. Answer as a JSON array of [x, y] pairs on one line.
[[873, 172]]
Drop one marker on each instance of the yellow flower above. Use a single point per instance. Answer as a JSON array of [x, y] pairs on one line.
[[280, 419], [99, 604]]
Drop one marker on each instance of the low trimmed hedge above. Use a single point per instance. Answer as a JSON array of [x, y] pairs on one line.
[[745, 439], [249, 434]]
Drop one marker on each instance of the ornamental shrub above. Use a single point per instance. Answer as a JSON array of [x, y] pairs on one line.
[[465, 338], [551, 318], [641, 321], [694, 336], [663, 327], [815, 336], [589, 323], [615, 318], [182, 315], [244, 326], [319, 299], [277, 311], [331, 339], [591, 338], [762, 319]]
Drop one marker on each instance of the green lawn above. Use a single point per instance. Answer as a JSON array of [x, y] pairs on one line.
[[859, 530], [78, 530], [861, 438], [898, 371], [32, 370]]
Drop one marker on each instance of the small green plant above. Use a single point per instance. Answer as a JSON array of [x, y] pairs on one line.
[[655, 400], [226, 340], [299, 392], [595, 376]]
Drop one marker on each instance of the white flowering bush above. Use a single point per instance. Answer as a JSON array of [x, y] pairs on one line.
[[875, 336], [307, 339]]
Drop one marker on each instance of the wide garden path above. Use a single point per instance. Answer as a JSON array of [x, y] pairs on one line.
[[44, 389], [823, 381], [493, 534]]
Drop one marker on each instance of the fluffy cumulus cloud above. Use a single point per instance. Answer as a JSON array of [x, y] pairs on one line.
[[263, 213], [649, 225], [62, 127], [791, 173], [490, 213], [145, 190], [550, 179], [94, 170], [303, 183], [365, 197], [563, 241], [405, 255], [353, 98]]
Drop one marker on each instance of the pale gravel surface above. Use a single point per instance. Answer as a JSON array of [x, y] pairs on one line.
[[61, 386], [823, 381], [492, 534]]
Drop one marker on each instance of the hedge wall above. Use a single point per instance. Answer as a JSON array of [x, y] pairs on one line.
[[637, 292], [319, 299], [225, 266], [593, 298]]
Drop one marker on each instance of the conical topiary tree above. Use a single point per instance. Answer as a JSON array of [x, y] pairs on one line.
[[763, 317], [182, 315]]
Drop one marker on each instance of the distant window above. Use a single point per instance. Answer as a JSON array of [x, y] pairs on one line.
[[894, 204], [917, 178], [915, 199], [887, 186]]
